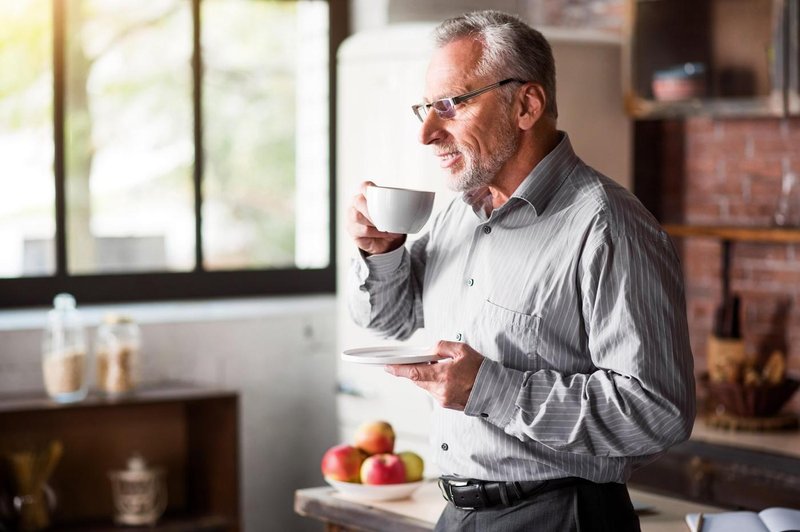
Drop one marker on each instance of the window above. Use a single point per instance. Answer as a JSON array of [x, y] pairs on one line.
[[166, 149]]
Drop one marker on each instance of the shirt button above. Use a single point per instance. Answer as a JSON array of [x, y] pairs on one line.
[[470, 282], [444, 447], [458, 337], [487, 229], [484, 414]]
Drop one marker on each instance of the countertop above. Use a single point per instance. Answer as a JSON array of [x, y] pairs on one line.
[[783, 442], [420, 512]]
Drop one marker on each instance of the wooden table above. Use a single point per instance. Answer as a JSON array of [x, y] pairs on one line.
[[420, 512]]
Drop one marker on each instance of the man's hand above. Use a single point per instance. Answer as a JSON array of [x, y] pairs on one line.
[[449, 381], [364, 233]]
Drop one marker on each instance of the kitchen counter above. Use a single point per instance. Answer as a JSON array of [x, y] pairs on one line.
[[745, 470], [782, 442], [420, 512]]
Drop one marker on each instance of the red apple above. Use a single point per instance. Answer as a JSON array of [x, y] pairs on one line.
[[375, 437], [383, 469], [414, 465], [342, 462]]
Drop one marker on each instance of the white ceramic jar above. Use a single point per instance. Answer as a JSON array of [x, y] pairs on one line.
[[139, 493]]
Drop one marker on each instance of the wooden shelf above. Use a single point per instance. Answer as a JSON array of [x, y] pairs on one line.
[[769, 235], [755, 107], [155, 393], [209, 523], [728, 39], [191, 432]]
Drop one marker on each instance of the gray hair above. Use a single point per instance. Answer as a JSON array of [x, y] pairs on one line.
[[511, 49]]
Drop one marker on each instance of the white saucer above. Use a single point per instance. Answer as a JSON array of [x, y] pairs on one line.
[[385, 492], [399, 354]]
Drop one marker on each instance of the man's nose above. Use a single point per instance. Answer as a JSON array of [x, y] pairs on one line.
[[431, 129]]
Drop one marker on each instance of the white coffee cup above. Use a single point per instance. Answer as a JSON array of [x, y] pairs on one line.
[[399, 210]]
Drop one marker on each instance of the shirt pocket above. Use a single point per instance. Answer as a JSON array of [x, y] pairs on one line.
[[513, 336]]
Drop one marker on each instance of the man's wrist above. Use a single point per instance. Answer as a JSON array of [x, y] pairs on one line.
[[494, 393], [382, 264]]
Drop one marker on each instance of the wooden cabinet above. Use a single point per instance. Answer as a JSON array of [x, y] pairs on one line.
[[189, 431], [743, 57]]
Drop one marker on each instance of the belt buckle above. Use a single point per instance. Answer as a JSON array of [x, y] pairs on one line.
[[445, 483]]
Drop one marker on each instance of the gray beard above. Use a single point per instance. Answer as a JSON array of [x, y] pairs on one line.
[[481, 172]]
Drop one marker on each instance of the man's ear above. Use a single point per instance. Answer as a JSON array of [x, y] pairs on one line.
[[533, 102]]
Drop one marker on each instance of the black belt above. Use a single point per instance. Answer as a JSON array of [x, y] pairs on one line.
[[471, 494]]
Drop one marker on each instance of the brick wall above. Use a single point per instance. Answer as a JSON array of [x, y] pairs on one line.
[[729, 172]]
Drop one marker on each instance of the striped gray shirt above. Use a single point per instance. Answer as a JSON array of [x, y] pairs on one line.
[[574, 296]]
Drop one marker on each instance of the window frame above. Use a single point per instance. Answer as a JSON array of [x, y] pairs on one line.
[[198, 283]]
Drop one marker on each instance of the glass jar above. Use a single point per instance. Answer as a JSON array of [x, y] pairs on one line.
[[35, 509], [117, 354], [64, 355]]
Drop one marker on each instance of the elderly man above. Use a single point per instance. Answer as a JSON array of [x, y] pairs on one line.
[[557, 298]]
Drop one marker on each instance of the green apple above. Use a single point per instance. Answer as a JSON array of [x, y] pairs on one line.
[[414, 465]]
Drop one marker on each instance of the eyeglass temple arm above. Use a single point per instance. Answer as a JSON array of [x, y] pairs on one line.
[[467, 96], [464, 97]]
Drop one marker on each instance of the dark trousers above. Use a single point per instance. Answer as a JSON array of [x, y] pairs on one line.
[[583, 507]]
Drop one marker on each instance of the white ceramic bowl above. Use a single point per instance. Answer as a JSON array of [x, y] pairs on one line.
[[386, 492], [399, 210]]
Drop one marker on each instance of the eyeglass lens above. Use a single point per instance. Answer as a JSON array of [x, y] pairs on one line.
[[444, 108]]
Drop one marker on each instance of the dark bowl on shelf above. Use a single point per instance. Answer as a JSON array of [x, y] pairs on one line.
[[750, 401]]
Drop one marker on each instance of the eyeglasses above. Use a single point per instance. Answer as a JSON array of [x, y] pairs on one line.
[[446, 107]]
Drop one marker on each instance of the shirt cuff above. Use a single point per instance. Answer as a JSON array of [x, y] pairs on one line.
[[494, 393], [385, 264]]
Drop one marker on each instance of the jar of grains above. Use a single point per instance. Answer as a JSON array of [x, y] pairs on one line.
[[64, 361], [117, 354]]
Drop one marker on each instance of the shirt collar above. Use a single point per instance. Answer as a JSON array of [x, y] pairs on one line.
[[538, 187], [541, 184]]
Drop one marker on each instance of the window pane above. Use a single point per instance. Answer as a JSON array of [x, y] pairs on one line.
[[265, 122], [27, 200], [129, 136]]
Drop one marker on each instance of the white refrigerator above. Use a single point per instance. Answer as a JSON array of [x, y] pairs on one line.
[[381, 74]]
